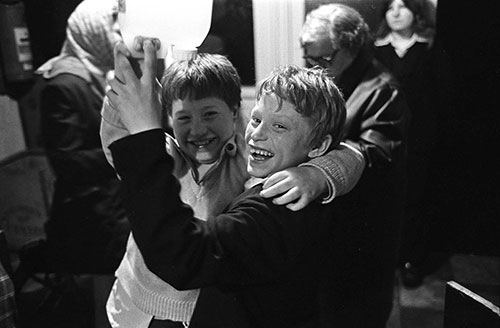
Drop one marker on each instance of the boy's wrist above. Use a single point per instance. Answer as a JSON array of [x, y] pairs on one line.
[[143, 128], [330, 192]]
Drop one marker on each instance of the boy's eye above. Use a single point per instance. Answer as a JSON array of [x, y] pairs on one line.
[[183, 118], [255, 121], [279, 126], [210, 115]]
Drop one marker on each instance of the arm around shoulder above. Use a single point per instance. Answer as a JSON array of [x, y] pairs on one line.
[[342, 168]]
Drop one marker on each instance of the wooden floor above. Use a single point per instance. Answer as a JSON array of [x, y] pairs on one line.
[[421, 307]]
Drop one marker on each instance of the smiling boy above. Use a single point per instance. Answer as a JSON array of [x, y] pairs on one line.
[[200, 142], [275, 136]]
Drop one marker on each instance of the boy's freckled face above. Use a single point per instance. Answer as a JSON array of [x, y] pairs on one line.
[[276, 139], [202, 127]]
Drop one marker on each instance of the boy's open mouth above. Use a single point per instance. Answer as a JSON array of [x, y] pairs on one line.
[[202, 143], [260, 154]]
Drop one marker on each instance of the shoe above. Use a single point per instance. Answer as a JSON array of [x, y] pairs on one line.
[[411, 276]]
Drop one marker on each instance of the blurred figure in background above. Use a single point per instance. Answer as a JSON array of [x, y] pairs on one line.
[[87, 228], [337, 38], [7, 300], [8, 307], [404, 45]]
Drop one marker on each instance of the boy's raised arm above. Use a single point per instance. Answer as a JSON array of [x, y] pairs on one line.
[[111, 129], [136, 98], [131, 94], [127, 94]]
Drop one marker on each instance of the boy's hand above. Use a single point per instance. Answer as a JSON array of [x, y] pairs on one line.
[[296, 187], [136, 99]]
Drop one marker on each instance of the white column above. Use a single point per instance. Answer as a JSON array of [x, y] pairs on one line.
[[277, 24]]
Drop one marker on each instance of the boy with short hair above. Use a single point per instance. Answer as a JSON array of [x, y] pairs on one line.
[[202, 97]]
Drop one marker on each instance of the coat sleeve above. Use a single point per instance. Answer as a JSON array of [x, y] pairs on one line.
[[342, 167], [66, 130], [383, 127]]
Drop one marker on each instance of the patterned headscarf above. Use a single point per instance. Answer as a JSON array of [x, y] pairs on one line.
[[88, 49]]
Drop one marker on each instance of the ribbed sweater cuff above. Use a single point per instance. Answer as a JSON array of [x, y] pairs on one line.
[[332, 173]]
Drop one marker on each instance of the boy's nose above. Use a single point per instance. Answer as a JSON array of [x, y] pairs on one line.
[[258, 133], [198, 128]]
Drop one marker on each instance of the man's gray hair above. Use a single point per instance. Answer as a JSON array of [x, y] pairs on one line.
[[344, 25]]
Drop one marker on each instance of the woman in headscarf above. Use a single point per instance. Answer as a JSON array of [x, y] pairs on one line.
[[86, 230]]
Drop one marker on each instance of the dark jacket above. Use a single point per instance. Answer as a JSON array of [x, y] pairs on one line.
[[377, 124], [415, 72], [370, 215], [268, 255], [87, 228], [377, 112]]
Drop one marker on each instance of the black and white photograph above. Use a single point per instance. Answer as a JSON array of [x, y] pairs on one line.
[[249, 164]]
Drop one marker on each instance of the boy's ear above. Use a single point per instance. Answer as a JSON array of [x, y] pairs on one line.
[[322, 148]]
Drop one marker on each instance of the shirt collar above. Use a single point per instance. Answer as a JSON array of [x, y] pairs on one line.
[[230, 149], [400, 47], [253, 181]]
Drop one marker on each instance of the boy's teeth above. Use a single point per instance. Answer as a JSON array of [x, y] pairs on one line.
[[262, 153], [201, 143]]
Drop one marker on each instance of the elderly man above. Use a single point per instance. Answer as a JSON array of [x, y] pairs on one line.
[[336, 37]]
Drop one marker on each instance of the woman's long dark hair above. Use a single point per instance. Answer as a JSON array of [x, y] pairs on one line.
[[423, 25]]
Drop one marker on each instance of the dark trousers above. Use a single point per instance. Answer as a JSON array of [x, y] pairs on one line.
[[358, 288]]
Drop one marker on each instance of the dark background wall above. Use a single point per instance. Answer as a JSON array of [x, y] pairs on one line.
[[466, 189], [46, 20]]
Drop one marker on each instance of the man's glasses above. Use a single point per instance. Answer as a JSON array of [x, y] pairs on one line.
[[322, 61]]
